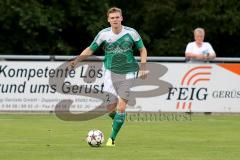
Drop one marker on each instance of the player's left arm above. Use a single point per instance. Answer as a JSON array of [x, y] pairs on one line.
[[143, 55]]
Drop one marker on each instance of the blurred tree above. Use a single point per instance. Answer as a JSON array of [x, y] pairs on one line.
[[68, 26], [29, 26], [48, 26]]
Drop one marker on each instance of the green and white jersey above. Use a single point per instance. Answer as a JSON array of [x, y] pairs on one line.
[[118, 49]]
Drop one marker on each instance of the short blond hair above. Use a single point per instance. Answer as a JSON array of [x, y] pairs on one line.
[[113, 10], [201, 31]]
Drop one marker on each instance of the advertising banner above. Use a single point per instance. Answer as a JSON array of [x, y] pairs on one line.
[[169, 87]]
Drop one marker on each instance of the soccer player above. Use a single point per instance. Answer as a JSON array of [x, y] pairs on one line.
[[118, 43]]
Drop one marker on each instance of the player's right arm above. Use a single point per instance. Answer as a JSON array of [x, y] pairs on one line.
[[84, 55], [89, 50]]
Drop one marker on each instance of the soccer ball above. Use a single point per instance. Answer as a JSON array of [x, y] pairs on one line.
[[95, 138]]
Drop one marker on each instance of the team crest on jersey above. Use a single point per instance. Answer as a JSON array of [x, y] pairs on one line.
[[126, 39]]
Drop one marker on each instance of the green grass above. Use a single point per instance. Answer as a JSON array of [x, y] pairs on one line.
[[45, 137]]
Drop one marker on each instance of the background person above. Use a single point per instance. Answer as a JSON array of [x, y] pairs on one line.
[[199, 50]]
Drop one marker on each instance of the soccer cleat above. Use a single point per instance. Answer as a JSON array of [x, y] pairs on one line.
[[110, 143]]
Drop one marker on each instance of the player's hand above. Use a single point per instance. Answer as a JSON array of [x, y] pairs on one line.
[[72, 64], [142, 71], [143, 74]]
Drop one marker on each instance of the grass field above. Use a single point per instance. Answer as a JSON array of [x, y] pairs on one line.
[[45, 137]]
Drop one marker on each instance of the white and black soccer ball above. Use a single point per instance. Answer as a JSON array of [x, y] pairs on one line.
[[95, 138]]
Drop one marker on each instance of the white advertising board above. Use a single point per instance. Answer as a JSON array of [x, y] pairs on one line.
[[169, 87]]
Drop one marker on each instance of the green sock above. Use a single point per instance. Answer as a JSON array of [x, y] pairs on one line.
[[112, 114], [117, 124]]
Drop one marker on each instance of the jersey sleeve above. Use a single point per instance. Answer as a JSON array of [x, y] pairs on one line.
[[137, 40], [210, 48], [188, 48], [96, 42]]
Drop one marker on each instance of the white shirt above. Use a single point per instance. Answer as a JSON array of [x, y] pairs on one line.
[[206, 47]]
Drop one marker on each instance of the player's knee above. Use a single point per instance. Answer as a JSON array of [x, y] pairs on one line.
[[122, 105], [121, 108]]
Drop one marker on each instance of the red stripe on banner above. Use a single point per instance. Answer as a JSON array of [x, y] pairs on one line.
[[178, 104], [190, 105], [184, 104], [200, 79], [191, 70], [197, 74]]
